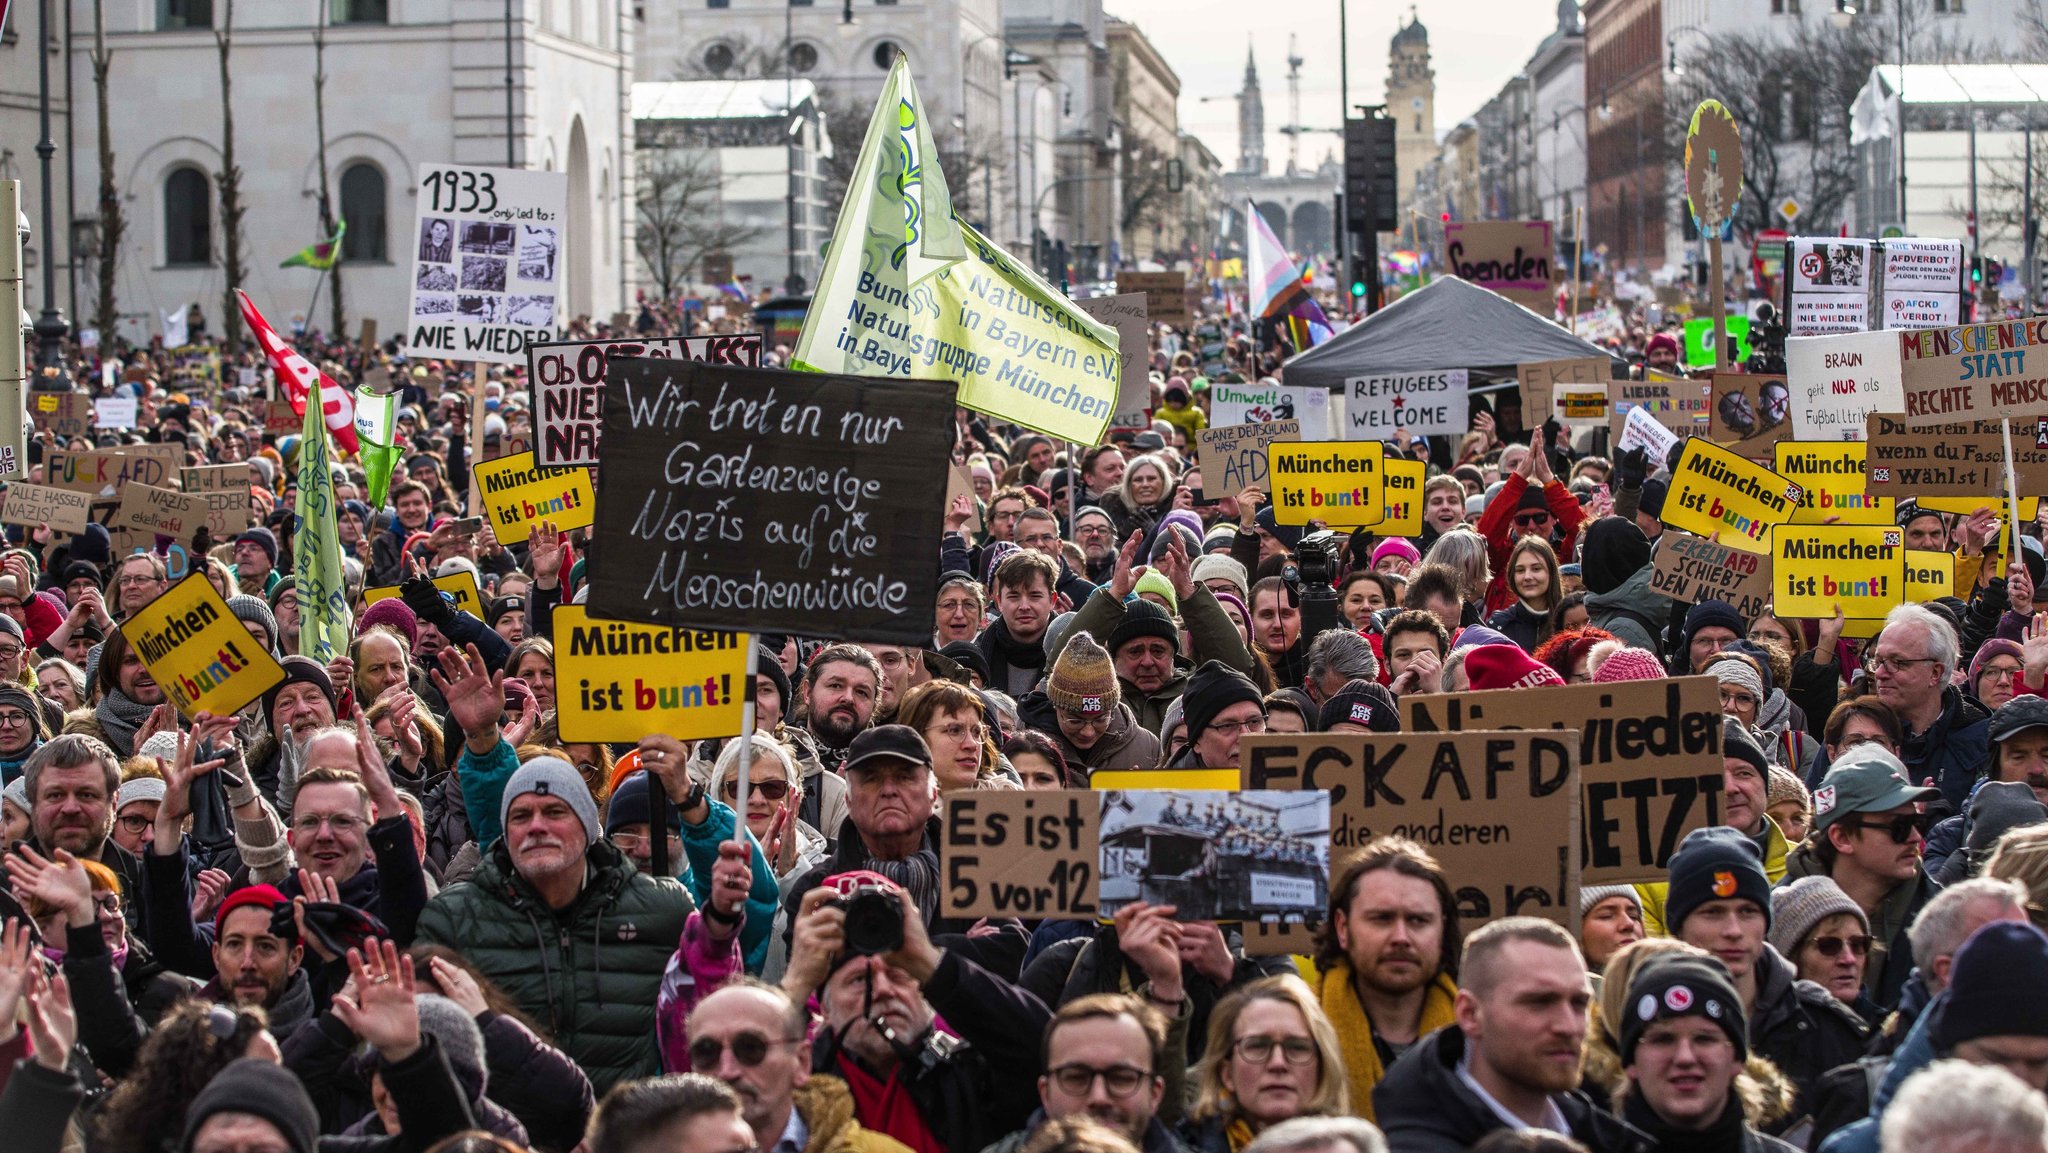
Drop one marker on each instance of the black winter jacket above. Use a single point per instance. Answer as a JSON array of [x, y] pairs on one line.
[[1423, 1106], [1802, 1028]]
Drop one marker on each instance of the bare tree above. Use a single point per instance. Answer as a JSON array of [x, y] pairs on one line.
[[333, 272], [113, 224], [680, 215], [230, 180]]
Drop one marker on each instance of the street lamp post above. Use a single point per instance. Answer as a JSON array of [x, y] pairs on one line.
[[50, 326]]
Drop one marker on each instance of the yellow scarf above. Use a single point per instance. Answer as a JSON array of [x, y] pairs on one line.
[[1354, 1029]]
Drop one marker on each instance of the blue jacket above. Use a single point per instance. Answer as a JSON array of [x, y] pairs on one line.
[[1915, 1054]]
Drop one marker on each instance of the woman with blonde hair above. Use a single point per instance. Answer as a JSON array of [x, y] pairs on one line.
[[2022, 855], [1272, 1056]]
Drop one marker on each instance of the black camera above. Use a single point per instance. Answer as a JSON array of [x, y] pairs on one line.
[[1316, 558], [874, 919]]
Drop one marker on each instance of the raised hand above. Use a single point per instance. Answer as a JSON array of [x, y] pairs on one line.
[[58, 881], [404, 737], [1150, 938], [206, 894], [161, 719], [458, 986], [2034, 650], [178, 777], [522, 727], [960, 513], [818, 936], [544, 553], [1176, 568], [475, 694], [1124, 576], [382, 1010], [1203, 949], [52, 1023], [18, 960], [731, 878]]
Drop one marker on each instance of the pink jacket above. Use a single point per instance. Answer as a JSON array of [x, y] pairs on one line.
[[700, 965]]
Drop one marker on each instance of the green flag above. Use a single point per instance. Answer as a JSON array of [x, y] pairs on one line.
[[909, 289], [321, 254], [316, 544], [376, 429]]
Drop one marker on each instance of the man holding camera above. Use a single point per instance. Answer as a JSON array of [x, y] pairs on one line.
[[891, 800], [880, 984]]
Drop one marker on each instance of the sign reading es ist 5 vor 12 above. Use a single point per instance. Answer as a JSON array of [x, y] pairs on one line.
[[486, 258]]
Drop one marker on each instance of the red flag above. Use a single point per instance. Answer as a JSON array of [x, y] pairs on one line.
[[338, 405]]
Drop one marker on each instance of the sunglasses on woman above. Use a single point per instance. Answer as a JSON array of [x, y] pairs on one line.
[[772, 789], [1858, 945]]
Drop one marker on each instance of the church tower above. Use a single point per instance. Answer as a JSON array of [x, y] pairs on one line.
[[1251, 121], [1411, 101]]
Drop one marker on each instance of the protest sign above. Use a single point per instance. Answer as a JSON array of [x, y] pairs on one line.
[[909, 288], [1539, 379], [217, 478], [1642, 430], [1238, 855], [160, 511], [487, 280], [1830, 285], [114, 412], [1496, 809], [1675, 402], [461, 586], [1815, 567], [278, 416], [1257, 403], [1715, 491], [1830, 475], [519, 494], [1403, 500], [1337, 482], [1930, 575], [1748, 412], [1234, 455], [1699, 341], [1838, 381], [1975, 372], [568, 384], [39, 506], [1649, 759], [1166, 295], [618, 681], [1424, 403], [1021, 854], [64, 414], [103, 473], [1923, 283], [198, 652], [2030, 506], [1201, 780], [1510, 257], [1690, 570], [767, 501], [1940, 460], [1125, 312], [1580, 405]]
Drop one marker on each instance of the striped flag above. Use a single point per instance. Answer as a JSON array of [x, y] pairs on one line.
[[300, 378]]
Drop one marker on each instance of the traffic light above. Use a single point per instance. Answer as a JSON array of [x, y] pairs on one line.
[[1976, 270], [1359, 280], [1370, 177]]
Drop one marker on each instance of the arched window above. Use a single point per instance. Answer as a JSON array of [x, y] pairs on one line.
[[188, 218], [362, 205]]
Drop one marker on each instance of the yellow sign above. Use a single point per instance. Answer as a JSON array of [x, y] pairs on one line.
[[2030, 506], [1337, 482], [1715, 491], [617, 681], [1403, 500], [1831, 473], [199, 652], [1930, 575], [460, 585], [1219, 780], [1862, 568], [518, 493]]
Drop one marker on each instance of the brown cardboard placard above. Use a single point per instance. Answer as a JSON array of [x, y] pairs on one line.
[[1678, 404], [1974, 372], [103, 473], [1749, 412], [1126, 313], [1234, 456], [279, 417], [1021, 854], [1495, 808], [160, 511], [217, 478], [1690, 569], [65, 414], [1540, 378], [1649, 760], [1963, 459], [39, 505], [1166, 295]]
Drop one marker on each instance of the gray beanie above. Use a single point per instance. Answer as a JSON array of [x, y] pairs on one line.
[[461, 1041], [1055, 637], [1592, 895], [553, 777], [139, 789], [1800, 905], [247, 608], [16, 793], [1219, 567]]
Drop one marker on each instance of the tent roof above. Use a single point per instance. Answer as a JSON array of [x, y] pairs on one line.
[[1448, 323]]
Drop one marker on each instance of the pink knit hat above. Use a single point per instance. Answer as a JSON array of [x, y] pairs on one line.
[[1630, 664], [1395, 546]]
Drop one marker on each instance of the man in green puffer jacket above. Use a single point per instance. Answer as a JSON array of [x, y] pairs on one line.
[[562, 922]]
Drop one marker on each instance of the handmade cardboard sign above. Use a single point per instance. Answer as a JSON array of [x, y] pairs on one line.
[[1021, 854], [1510, 257], [485, 260], [568, 384], [617, 681], [114, 411], [160, 511], [198, 652], [1166, 295], [279, 417], [217, 478], [64, 414], [1125, 312], [1403, 501], [225, 488], [1838, 381], [1234, 455], [105, 472], [1495, 808], [1674, 402], [1930, 575], [1538, 380], [1830, 473], [1749, 413], [1424, 403], [1963, 460], [37, 505], [767, 501], [1975, 371], [1231, 856], [461, 586], [519, 494], [1690, 570], [1814, 568], [1649, 758], [1337, 482], [1715, 491], [1644, 431]]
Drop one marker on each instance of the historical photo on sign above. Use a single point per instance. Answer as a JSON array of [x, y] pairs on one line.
[[535, 311], [483, 273], [437, 240], [436, 304], [536, 253], [486, 238], [1246, 856], [436, 278]]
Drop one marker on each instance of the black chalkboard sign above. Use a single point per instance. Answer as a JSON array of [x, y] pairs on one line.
[[759, 500]]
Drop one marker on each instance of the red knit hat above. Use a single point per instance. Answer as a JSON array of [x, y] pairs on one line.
[[1629, 664], [1507, 667], [264, 896]]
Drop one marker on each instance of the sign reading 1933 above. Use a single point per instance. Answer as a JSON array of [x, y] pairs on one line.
[[487, 261]]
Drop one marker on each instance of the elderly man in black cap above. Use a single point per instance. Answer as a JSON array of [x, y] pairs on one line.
[[892, 829]]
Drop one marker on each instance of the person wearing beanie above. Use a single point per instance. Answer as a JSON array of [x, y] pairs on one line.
[[1710, 626], [1628, 664], [1825, 935], [2017, 740], [1744, 810], [1610, 918], [1615, 566], [1144, 641], [1684, 1042], [1222, 573], [257, 617], [1996, 672], [1788, 804], [507, 617], [1394, 549], [592, 979], [303, 700], [1095, 534], [772, 701], [1362, 706], [395, 614], [1719, 900], [258, 1103], [1507, 667], [1082, 709], [1220, 706], [135, 806], [1869, 834], [1153, 586], [1993, 995], [255, 552], [1660, 354], [14, 811]]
